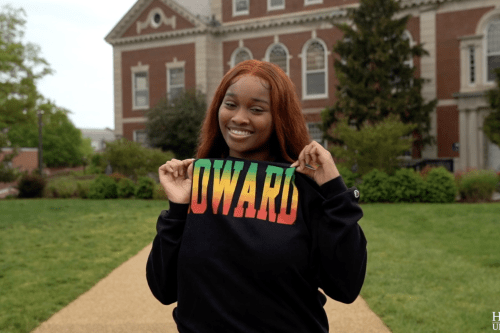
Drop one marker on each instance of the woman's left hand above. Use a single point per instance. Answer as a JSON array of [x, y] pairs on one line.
[[320, 159]]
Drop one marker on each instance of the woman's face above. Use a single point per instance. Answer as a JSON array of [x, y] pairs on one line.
[[245, 118]]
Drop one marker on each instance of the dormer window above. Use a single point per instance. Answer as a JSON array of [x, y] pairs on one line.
[[241, 7]]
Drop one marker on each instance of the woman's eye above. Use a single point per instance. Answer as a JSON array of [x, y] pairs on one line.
[[257, 110]]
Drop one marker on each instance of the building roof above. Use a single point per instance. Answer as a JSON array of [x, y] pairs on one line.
[[98, 134]]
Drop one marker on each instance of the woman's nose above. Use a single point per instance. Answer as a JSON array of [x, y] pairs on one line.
[[241, 116]]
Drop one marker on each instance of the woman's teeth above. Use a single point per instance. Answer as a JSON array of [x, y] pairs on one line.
[[239, 132]]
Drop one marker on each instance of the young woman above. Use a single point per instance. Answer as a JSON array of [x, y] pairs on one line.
[[259, 221]]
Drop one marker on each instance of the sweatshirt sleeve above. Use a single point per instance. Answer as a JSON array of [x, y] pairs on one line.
[[161, 268], [340, 243]]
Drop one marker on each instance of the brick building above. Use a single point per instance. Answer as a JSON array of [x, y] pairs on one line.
[[160, 47]]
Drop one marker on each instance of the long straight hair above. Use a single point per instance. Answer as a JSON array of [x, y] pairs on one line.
[[290, 134]]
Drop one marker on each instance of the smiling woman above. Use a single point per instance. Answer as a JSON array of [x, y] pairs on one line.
[[245, 119], [252, 232]]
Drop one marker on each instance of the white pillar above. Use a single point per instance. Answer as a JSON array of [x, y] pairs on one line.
[[462, 165], [474, 145], [428, 71]]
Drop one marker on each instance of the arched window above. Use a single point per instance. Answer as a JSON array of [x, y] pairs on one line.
[[492, 48], [315, 70], [241, 54], [278, 54]]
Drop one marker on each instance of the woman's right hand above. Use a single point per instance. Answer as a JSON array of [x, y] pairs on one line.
[[176, 177]]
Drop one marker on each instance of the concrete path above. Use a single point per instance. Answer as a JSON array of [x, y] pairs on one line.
[[123, 303]]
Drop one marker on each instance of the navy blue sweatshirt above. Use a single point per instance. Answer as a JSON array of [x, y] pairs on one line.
[[250, 251]]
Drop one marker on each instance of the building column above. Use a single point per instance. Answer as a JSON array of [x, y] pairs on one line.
[[118, 91], [463, 151], [428, 71]]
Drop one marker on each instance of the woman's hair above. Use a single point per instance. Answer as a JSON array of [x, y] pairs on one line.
[[290, 134]]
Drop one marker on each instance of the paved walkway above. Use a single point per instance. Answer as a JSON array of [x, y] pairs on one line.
[[122, 303]]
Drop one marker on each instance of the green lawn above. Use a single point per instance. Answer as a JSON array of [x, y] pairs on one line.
[[431, 268], [51, 251]]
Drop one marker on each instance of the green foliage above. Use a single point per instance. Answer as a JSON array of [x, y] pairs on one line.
[[31, 186], [373, 146], [63, 144], [491, 125], [83, 188], [440, 186], [478, 185], [159, 193], [145, 188], [126, 188], [103, 187], [374, 78], [405, 185], [133, 160], [348, 176], [20, 68], [97, 164], [63, 187], [174, 124], [375, 187]]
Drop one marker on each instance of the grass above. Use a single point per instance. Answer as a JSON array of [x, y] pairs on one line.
[[52, 251], [431, 267]]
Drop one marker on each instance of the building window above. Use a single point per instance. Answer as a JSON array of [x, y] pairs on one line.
[[140, 136], [240, 55], [472, 65], [278, 54], [140, 90], [275, 4], [175, 82], [241, 7], [312, 2], [493, 49], [315, 132], [314, 81]]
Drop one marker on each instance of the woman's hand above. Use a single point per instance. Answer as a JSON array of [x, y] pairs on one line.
[[176, 178], [320, 159]]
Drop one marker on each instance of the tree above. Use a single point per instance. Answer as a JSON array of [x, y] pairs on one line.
[[63, 144], [491, 126], [373, 146], [375, 79], [174, 124], [20, 68]]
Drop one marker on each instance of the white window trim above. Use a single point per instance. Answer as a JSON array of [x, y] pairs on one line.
[[485, 53], [268, 54], [172, 65], [236, 51], [312, 2], [138, 69], [304, 70], [323, 142], [240, 13], [412, 43], [270, 7]]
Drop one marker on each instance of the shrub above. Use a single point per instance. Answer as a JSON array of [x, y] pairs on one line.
[[97, 164], [375, 187], [103, 187], [406, 185], [159, 193], [126, 188], [439, 186], [117, 176], [478, 185], [145, 188], [373, 146], [62, 188], [133, 160], [83, 188], [31, 186], [348, 176]]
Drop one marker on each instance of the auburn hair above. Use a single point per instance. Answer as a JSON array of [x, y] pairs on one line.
[[290, 134]]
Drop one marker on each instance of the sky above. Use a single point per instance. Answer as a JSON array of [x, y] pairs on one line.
[[71, 36]]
